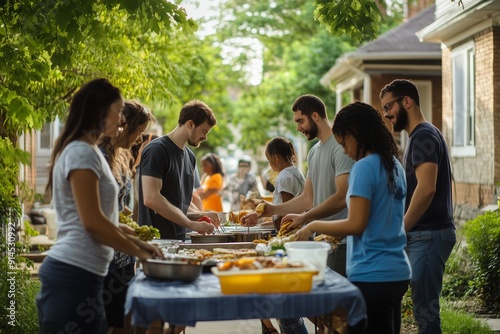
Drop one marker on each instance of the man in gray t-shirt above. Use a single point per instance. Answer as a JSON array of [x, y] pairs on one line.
[[326, 181], [326, 184]]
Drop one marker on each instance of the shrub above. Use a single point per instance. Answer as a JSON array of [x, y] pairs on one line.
[[17, 291], [483, 238], [458, 274]]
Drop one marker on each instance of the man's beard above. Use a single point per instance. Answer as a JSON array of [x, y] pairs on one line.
[[194, 143], [401, 120], [312, 133]]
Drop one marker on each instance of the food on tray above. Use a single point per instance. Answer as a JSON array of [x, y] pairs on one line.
[[333, 241], [235, 216], [260, 241], [283, 229], [144, 232], [218, 253], [237, 253], [261, 262], [260, 208], [248, 204]]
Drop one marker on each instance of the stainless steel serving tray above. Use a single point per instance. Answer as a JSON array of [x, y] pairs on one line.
[[211, 246], [173, 268]]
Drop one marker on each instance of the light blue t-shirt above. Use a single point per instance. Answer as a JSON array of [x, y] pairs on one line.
[[378, 254], [74, 245]]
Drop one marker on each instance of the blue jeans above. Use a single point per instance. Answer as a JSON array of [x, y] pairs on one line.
[[70, 300], [292, 326], [428, 252]]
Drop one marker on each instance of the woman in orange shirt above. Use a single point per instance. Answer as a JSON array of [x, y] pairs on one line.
[[212, 182]]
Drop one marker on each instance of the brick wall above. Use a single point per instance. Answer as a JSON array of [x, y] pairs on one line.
[[475, 177], [496, 100]]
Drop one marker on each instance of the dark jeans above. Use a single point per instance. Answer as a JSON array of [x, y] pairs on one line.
[[70, 300], [428, 252], [292, 326], [337, 259], [383, 306], [115, 292]]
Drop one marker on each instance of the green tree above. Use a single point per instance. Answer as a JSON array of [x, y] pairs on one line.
[[51, 47], [297, 52]]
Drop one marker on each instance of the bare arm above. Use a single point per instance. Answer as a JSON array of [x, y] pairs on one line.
[[332, 205], [426, 174], [355, 224], [85, 188], [154, 200], [297, 204]]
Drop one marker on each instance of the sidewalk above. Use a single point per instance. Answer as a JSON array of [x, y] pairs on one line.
[[249, 326], [493, 323]]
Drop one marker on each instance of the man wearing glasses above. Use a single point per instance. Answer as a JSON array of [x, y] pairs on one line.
[[428, 216]]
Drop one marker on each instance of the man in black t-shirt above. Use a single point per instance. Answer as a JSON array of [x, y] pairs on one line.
[[166, 176], [428, 217]]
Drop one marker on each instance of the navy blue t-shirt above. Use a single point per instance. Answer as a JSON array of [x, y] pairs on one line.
[[426, 144], [163, 159]]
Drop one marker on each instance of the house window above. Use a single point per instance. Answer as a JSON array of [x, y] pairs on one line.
[[463, 100], [47, 136]]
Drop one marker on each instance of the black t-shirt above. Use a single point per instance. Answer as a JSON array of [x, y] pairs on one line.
[[163, 159], [426, 144]]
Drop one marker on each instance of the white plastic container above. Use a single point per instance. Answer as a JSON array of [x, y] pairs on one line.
[[313, 252], [50, 218]]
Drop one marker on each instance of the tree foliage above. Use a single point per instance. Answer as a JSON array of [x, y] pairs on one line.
[[297, 52], [51, 47]]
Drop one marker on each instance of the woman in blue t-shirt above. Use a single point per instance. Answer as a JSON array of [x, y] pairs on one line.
[[376, 260]]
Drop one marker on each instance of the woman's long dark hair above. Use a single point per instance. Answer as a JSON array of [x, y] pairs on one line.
[[121, 160], [366, 125], [87, 112]]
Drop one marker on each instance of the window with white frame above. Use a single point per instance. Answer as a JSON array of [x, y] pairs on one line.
[[47, 136], [463, 106]]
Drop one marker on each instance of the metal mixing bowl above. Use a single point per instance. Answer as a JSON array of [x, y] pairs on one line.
[[173, 269]]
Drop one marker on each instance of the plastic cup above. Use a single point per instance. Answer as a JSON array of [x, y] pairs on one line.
[[312, 252]]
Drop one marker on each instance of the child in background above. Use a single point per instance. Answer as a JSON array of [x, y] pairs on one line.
[[212, 183]]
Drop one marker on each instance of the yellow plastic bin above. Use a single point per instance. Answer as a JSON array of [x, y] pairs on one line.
[[282, 280]]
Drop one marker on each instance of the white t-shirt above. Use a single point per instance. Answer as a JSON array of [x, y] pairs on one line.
[[74, 245], [290, 180]]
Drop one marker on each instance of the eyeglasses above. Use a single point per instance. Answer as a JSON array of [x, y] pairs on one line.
[[387, 106]]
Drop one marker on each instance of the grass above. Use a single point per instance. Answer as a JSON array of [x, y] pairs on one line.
[[459, 322], [453, 321]]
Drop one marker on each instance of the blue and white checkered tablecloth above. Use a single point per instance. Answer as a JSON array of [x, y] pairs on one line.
[[185, 304]]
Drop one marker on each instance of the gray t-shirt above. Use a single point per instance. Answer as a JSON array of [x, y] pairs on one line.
[[74, 245], [327, 161]]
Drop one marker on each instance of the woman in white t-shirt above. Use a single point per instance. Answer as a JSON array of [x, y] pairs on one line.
[[85, 196]]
